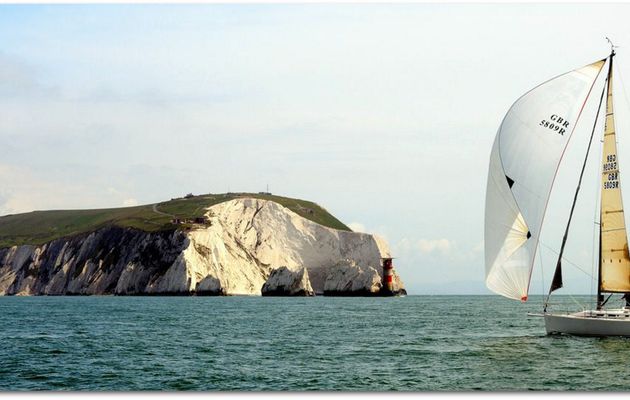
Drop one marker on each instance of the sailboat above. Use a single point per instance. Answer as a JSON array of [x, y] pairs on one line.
[[524, 161]]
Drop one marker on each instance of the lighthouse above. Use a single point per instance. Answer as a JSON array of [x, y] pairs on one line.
[[388, 277]]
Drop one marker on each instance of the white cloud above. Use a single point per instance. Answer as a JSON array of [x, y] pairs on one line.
[[24, 189], [357, 227], [427, 246], [403, 246], [21, 190]]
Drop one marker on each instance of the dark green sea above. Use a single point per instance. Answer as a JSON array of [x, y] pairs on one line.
[[412, 343]]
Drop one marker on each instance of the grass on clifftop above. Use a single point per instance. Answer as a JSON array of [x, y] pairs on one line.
[[39, 227]]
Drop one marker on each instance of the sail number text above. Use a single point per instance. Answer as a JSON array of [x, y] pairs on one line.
[[610, 169], [556, 124]]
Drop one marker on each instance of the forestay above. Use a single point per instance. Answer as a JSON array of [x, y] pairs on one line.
[[523, 163]]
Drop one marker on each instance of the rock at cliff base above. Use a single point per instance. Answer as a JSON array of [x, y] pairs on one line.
[[346, 278], [284, 282]]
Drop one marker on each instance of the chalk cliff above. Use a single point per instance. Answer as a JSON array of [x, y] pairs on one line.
[[284, 282], [245, 241]]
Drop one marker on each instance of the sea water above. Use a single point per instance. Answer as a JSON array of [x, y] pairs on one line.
[[412, 343]]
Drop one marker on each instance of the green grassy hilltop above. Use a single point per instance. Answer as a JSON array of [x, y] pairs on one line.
[[39, 227]]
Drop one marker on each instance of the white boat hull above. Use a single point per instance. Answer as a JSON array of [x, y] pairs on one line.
[[590, 323]]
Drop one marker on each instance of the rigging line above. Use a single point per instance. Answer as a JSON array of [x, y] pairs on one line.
[[608, 298], [570, 262], [576, 302], [596, 225], [558, 272], [542, 274]]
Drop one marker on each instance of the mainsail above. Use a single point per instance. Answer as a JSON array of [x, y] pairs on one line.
[[614, 262], [523, 163]]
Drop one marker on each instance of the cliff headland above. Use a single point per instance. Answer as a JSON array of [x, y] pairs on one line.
[[229, 244]]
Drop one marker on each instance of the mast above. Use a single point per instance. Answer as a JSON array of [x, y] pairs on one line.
[[614, 260], [600, 297], [609, 111]]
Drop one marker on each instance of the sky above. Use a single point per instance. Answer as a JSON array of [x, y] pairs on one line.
[[384, 114]]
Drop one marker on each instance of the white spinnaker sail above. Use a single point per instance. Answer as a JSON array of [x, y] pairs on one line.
[[523, 163]]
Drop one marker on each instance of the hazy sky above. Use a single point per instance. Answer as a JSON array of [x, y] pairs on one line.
[[383, 114]]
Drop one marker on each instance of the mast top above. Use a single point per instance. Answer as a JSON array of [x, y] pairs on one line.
[[612, 46]]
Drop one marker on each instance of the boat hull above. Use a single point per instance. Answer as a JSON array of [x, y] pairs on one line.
[[590, 323]]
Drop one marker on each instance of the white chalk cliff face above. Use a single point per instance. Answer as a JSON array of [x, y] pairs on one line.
[[284, 282], [246, 240]]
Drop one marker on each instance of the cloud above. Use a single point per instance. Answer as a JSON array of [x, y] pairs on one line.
[[357, 227], [403, 246], [21, 190], [24, 189], [427, 246]]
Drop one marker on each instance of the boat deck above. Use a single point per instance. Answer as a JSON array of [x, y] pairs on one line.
[[613, 322]]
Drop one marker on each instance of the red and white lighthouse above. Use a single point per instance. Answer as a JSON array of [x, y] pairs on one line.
[[388, 275]]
